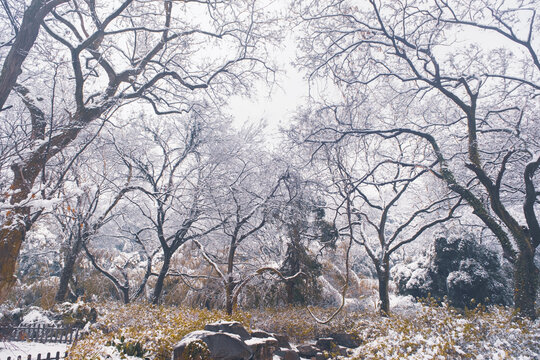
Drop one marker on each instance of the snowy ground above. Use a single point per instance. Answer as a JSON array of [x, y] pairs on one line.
[[415, 331], [20, 348]]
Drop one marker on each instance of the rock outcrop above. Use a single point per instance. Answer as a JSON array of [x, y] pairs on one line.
[[217, 345], [228, 340], [229, 327]]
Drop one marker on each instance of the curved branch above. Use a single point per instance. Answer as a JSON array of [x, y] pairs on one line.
[[212, 263], [346, 287], [259, 272], [24, 40]]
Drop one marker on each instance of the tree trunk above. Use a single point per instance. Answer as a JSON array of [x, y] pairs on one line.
[[11, 238], [67, 273], [229, 306], [229, 286], [383, 275], [124, 290], [13, 231], [158, 289], [525, 284], [291, 266], [290, 289]]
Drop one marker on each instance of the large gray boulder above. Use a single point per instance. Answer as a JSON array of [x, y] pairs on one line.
[[263, 348], [231, 327], [283, 340], [287, 354], [220, 345], [307, 350]]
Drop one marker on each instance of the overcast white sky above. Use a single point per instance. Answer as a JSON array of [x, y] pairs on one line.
[[291, 89], [276, 108]]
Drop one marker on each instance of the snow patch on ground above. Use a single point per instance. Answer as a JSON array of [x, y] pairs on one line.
[[23, 349], [404, 305]]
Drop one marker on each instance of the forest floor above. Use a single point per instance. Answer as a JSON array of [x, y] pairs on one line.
[[413, 331], [425, 331]]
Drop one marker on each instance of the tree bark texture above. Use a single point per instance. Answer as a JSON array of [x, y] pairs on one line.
[[67, 272], [229, 306], [526, 277], [25, 39], [12, 233], [383, 276], [158, 289], [11, 238]]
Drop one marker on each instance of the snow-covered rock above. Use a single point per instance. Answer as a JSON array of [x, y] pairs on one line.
[[219, 345]]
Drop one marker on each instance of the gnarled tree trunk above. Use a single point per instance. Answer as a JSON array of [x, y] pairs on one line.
[[68, 269], [383, 275], [11, 238], [525, 284], [15, 224], [158, 289], [14, 229]]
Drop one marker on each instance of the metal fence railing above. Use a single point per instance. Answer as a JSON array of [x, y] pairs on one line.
[[39, 357], [39, 333]]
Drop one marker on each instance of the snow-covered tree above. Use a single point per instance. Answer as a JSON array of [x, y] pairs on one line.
[[92, 192], [302, 222], [172, 169], [460, 77], [92, 57], [245, 198]]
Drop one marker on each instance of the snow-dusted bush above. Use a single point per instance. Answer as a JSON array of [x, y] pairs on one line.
[[457, 268], [425, 332], [441, 332], [25, 316], [143, 329], [10, 316], [36, 316], [78, 314]]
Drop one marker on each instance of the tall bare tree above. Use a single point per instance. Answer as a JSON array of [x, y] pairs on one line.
[[243, 198], [171, 168], [449, 69], [165, 53], [385, 203], [90, 193]]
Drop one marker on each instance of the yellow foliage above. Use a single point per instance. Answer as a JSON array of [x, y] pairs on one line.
[[430, 331], [157, 328]]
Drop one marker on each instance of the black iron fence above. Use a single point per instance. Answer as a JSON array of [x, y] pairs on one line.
[[39, 357], [39, 333]]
